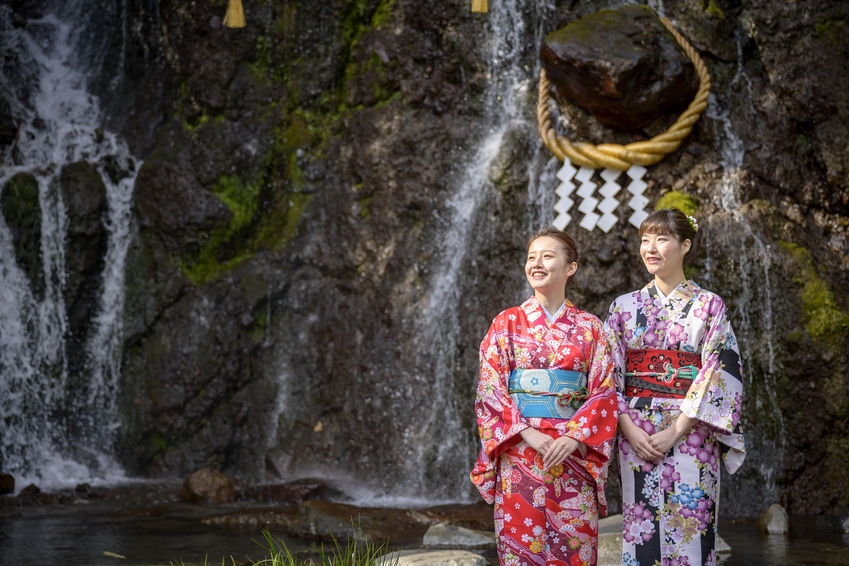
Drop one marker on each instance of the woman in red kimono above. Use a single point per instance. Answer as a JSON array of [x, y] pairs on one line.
[[546, 413]]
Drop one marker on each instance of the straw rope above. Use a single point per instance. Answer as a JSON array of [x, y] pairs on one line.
[[617, 156]]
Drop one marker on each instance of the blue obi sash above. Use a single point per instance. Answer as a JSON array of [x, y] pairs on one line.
[[547, 393]]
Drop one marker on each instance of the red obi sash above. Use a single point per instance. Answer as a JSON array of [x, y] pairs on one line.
[[661, 373]]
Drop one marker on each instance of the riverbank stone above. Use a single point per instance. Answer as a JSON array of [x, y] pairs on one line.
[[774, 521], [431, 558], [445, 535], [622, 66], [7, 484], [208, 486]]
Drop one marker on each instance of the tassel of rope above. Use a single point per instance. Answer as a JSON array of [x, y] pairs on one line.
[[480, 5], [621, 157], [235, 16]]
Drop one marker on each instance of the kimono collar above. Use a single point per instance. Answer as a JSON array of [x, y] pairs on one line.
[[683, 293], [533, 305]]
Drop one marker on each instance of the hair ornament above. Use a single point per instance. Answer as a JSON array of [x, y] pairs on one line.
[[693, 223]]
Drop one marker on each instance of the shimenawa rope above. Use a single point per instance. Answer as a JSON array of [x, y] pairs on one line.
[[621, 157]]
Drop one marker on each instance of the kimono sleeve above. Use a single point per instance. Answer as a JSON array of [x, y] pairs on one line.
[[614, 331], [594, 423], [499, 421], [716, 395]]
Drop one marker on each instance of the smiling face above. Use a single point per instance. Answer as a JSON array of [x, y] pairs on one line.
[[547, 267], [663, 254]]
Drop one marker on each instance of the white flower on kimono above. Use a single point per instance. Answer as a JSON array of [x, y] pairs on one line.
[[537, 530], [528, 521], [508, 517]]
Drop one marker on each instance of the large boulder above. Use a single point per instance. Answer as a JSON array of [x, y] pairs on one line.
[[22, 212], [208, 486], [622, 66]]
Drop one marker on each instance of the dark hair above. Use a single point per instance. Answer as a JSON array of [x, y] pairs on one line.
[[567, 244], [675, 223]]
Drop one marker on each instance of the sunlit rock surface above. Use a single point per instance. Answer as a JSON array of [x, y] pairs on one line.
[[622, 66]]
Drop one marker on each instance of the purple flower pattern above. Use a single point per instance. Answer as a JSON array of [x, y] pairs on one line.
[[676, 502]]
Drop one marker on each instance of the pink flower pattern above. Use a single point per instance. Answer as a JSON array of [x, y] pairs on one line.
[[676, 502]]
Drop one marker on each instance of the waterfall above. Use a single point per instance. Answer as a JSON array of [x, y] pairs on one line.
[[57, 425], [438, 445], [751, 308]]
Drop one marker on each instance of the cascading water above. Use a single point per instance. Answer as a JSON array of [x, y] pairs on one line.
[[59, 124], [441, 439], [752, 307]]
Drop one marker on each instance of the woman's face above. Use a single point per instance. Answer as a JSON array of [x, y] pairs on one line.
[[547, 268], [663, 254]]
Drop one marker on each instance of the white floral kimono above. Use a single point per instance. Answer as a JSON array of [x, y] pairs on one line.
[[670, 506]]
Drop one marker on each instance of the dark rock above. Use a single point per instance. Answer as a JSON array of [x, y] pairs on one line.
[[295, 492], [208, 486], [8, 125], [171, 203], [622, 66], [30, 491], [7, 484], [22, 212], [83, 488], [84, 195]]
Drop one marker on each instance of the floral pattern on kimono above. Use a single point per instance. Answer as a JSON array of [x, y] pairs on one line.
[[670, 506], [544, 516]]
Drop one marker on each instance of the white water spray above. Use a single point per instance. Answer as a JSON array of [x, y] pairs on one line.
[[59, 125]]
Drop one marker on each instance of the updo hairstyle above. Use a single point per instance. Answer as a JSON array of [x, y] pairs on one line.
[[673, 222]]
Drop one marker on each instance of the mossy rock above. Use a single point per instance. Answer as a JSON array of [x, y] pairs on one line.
[[681, 201], [825, 322], [22, 212]]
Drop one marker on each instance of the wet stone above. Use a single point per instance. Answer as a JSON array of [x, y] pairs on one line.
[[622, 66], [208, 486], [432, 558], [444, 535], [774, 521]]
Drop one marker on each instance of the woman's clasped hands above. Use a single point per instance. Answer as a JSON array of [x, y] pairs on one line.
[[553, 450]]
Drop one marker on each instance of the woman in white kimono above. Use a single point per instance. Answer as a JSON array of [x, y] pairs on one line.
[[680, 395]]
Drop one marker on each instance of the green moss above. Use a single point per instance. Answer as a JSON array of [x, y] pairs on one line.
[[713, 9], [824, 321], [832, 30], [158, 442], [676, 199], [242, 200], [364, 203]]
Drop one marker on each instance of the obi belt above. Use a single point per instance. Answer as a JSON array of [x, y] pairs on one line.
[[661, 373], [547, 393]]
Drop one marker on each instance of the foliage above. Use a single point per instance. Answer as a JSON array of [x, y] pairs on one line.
[[358, 551], [824, 321], [676, 199]]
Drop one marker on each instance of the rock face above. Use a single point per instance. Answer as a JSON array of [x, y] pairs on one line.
[[774, 521], [622, 66], [208, 486]]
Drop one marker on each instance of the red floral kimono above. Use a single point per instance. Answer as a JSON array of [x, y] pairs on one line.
[[543, 516]]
